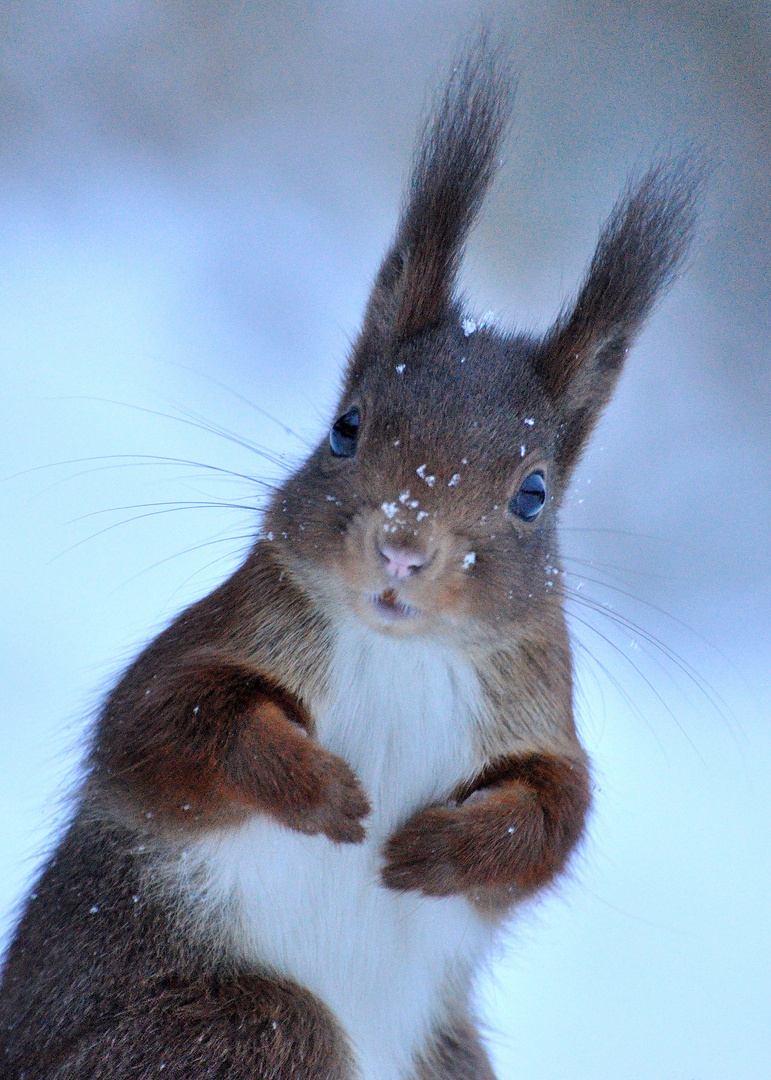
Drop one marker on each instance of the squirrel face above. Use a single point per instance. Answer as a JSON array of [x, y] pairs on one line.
[[432, 506]]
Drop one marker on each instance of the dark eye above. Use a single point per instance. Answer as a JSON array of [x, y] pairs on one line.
[[342, 437], [529, 500]]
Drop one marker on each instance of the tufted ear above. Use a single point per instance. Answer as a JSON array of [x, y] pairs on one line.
[[454, 163], [639, 254]]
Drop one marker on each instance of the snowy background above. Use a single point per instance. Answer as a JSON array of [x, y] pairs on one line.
[[194, 199]]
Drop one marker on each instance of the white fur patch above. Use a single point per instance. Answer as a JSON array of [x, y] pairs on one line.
[[401, 713]]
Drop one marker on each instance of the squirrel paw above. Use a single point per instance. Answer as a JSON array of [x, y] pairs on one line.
[[511, 836], [330, 798], [284, 771]]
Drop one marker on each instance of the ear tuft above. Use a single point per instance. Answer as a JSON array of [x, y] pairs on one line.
[[452, 169], [640, 252]]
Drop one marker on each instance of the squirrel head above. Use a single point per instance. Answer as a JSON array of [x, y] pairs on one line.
[[432, 506]]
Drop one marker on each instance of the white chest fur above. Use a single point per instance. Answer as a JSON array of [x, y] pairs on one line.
[[401, 713]]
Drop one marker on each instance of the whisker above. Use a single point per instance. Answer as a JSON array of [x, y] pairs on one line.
[[616, 648], [667, 541], [147, 461], [140, 517], [652, 539], [219, 429], [652, 607], [200, 570], [616, 572], [677, 931], [190, 421], [187, 551], [181, 504], [715, 700], [620, 689], [247, 401]]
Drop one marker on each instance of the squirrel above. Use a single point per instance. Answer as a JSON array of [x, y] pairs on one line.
[[312, 802]]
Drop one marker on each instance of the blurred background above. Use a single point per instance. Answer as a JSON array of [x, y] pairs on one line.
[[194, 197]]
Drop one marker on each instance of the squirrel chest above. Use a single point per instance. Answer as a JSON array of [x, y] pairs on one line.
[[402, 713]]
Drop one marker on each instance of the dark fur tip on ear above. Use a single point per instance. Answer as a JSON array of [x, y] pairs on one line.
[[640, 253], [452, 169]]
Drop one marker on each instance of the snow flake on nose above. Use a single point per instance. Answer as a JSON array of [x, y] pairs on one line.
[[469, 559], [421, 471]]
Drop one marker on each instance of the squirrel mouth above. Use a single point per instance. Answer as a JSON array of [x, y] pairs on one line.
[[391, 607]]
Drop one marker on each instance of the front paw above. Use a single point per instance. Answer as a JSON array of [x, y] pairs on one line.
[[282, 770], [329, 799], [423, 854], [445, 850], [511, 837]]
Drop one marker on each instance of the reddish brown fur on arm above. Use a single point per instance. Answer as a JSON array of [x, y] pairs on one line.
[[210, 740], [514, 838]]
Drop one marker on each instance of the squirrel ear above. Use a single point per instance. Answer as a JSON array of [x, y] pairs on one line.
[[640, 251], [452, 169]]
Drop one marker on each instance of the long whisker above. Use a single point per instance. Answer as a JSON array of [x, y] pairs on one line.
[[247, 401], [620, 689], [180, 504], [219, 429], [666, 541], [124, 461], [187, 551], [653, 607], [616, 648], [189, 421], [614, 571], [200, 570], [140, 517], [715, 700]]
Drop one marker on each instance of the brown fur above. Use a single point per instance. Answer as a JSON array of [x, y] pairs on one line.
[[453, 167], [99, 982], [456, 1053], [214, 721], [510, 834], [213, 741]]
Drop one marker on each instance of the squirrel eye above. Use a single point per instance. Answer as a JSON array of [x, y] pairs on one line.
[[342, 437], [529, 500]]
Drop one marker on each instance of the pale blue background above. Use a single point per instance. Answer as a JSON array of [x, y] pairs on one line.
[[202, 191]]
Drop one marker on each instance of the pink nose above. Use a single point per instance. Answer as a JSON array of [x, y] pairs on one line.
[[400, 563]]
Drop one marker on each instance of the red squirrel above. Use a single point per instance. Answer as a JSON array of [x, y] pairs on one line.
[[312, 801]]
